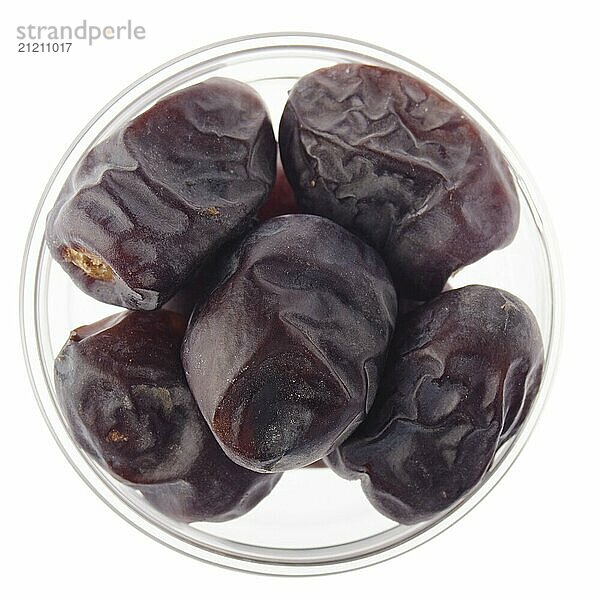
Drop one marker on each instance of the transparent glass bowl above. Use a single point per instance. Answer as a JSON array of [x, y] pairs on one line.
[[313, 522]]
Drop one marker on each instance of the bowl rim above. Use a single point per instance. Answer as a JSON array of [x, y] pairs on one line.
[[287, 563]]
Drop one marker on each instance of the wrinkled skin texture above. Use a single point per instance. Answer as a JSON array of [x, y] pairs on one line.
[[285, 356], [123, 392], [122, 388], [461, 375], [280, 201], [385, 156], [145, 207]]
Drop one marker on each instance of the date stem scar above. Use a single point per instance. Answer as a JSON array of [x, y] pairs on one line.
[[91, 265]]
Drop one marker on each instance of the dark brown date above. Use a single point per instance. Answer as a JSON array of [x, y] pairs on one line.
[[285, 356], [402, 167], [145, 207], [123, 392], [462, 372], [122, 389]]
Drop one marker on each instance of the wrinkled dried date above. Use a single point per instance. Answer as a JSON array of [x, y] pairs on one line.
[[384, 155], [285, 356], [123, 391], [461, 374], [143, 208]]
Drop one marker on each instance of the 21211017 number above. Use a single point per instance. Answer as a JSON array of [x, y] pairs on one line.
[[44, 46]]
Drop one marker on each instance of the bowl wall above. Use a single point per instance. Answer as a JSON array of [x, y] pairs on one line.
[[313, 522]]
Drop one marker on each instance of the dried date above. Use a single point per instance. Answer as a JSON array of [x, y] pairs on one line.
[[284, 357], [123, 392], [146, 206], [462, 372], [402, 167]]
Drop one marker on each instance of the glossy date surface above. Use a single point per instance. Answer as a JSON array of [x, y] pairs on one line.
[[285, 356], [459, 380], [390, 159], [145, 207]]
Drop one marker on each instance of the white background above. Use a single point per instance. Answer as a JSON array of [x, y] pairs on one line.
[[533, 68]]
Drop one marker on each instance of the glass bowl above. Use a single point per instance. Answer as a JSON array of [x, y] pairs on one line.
[[314, 522]]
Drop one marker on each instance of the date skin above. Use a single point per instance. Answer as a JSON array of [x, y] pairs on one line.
[[462, 372], [196, 290], [280, 201], [123, 392], [145, 207], [285, 356], [387, 157], [122, 389]]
